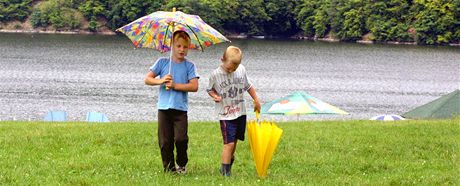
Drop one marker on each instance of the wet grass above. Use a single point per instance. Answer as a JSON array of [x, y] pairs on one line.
[[310, 152]]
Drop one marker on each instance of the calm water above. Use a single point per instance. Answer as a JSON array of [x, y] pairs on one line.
[[77, 74]]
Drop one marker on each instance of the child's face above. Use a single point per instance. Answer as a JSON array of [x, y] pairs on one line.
[[230, 66], [180, 49]]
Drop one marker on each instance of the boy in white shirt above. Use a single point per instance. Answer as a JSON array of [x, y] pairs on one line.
[[227, 85]]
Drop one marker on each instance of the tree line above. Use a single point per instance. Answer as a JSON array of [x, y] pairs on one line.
[[420, 21]]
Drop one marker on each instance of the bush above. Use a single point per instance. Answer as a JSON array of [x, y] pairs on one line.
[[14, 10], [36, 19], [93, 25], [57, 14]]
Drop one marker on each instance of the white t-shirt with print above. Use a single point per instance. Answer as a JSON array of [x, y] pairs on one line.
[[231, 87]]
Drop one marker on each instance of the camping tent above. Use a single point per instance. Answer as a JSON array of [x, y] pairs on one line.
[[447, 106]]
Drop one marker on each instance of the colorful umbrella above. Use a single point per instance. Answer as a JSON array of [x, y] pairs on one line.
[[263, 138], [155, 31], [299, 103]]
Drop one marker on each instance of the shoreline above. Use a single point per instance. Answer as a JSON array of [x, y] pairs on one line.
[[82, 32], [331, 40]]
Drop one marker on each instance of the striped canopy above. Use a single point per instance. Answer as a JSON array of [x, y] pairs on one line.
[[155, 31], [387, 117]]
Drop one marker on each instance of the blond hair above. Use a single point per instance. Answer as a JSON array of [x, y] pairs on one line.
[[181, 34], [233, 54]]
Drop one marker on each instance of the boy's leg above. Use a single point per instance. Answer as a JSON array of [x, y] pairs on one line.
[[233, 155], [240, 130], [228, 129], [181, 137], [166, 140], [227, 152]]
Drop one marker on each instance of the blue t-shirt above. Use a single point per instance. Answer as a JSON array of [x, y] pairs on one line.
[[182, 73]]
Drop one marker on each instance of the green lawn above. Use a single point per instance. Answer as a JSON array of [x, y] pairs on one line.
[[310, 152]]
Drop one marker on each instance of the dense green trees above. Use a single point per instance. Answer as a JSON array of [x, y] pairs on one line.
[[282, 18], [436, 21], [58, 14], [15, 10], [121, 12], [421, 21]]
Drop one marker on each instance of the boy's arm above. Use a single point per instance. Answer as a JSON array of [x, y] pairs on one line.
[[151, 80], [214, 95], [191, 86], [252, 92]]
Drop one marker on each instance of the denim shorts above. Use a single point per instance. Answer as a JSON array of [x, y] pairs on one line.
[[233, 129]]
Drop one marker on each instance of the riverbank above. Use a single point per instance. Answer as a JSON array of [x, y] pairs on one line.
[[36, 31]]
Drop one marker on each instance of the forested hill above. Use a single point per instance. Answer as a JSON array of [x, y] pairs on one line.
[[420, 21]]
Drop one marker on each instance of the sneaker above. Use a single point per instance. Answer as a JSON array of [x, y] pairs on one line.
[[181, 170]]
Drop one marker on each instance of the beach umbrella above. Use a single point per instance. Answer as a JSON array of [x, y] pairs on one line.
[[445, 107], [264, 137], [387, 117], [299, 103], [156, 29]]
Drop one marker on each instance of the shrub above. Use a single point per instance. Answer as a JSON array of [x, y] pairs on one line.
[[56, 13], [15, 10]]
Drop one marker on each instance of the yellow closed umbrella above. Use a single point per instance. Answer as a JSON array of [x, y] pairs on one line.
[[264, 137]]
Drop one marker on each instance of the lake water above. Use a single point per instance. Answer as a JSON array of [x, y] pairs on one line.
[[81, 73]]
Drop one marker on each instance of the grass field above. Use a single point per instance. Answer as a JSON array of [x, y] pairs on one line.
[[310, 152]]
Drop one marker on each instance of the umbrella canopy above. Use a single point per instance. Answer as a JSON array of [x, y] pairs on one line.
[[299, 103], [263, 139], [155, 31], [447, 106], [385, 117]]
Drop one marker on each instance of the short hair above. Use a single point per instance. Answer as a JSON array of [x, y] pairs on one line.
[[233, 54], [181, 34]]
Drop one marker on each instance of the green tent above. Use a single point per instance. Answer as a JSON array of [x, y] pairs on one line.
[[447, 106]]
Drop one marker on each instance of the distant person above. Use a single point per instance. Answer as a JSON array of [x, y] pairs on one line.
[[173, 102], [227, 85]]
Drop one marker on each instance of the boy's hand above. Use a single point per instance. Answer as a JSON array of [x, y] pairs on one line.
[[217, 98], [214, 95], [256, 106], [166, 79], [170, 84]]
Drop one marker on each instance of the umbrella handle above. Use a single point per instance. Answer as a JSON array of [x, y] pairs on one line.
[[171, 45], [167, 88]]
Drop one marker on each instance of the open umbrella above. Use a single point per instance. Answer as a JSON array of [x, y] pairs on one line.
[[299, 103], [263, 139], [155, 31]]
